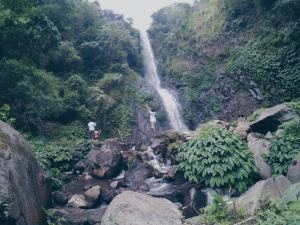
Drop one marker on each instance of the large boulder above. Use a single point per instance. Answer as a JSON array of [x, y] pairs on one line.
[[136, 175], [271, 118], [293, 173], [262, 191], [260, 147], [23, 185], [106, 161], [131, 208], [76, 216]]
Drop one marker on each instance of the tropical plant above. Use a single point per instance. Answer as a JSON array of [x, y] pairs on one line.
[[284, 148], [217, 158], [5, 114]]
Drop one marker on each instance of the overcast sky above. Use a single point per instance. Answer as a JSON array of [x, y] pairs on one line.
[[139, 10]]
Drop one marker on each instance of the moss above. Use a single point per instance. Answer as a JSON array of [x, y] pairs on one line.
[[4, 140]]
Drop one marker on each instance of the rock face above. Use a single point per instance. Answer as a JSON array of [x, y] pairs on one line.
[[131, 208], [259, 147], [271, 118], [75, 216], [294, 170], [106, 161], [263, 190], [22, 182]]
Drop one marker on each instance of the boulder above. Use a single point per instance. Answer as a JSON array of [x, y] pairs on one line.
[[78, 201], [161, 141], [93, 195], [136, 175], [194, 200], [106, 161], [262, 191], [23, 184], [131, 208], [271, 118], [76, 216], [259, 147], [242, 129], [293, 173], [59, 198]]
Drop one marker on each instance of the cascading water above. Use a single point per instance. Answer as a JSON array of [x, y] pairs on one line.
[[170, 102]]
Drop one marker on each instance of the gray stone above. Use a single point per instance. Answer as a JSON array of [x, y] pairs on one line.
[[271, 118], [78, 201], [23, 184], [137, 174], [294, 170], [264, 190], [93, 194], [131, 208], [76, 216], [259, 147], [59, 198]]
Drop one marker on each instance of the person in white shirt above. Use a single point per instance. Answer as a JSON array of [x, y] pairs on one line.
[[92, 126], [152, 119]]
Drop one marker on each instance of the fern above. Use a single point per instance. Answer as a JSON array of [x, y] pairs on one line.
[[217, 158]]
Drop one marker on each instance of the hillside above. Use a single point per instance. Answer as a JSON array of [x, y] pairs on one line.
[[228, 58]]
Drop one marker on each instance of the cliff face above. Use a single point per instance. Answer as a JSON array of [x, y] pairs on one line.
[[226, 58], [24, 186]]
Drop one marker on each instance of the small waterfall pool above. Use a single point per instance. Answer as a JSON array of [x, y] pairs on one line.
[[170, 103]]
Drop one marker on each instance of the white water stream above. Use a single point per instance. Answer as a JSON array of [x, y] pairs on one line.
[[170, 103]]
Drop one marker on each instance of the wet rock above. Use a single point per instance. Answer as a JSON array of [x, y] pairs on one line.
[[242, 129], [84, 177], [161, 141], [109, 195], [216, 124], [76, 216], [78, 201], [262, 191], [194, 200], [59, 198], [260, 147], [271, 118], [68, 177], [79, 167], [23, 184], [117, 184], [106, 161], [93, 195], [137, 174], [293, 173], [131, 208]]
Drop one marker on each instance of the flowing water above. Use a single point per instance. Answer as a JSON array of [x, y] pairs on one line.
[[170, 103]]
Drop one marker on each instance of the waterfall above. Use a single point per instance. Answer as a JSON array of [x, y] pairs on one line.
[[170, 103]]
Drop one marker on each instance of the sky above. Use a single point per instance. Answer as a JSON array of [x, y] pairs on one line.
[[139, 10]]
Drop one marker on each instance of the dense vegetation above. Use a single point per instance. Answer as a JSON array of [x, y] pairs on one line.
[[62, 64], [66, 60], [218, 158], [216, 49]]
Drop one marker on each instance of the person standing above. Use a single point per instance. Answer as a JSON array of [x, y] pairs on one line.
[[152, 119], [92, 126], [97, 134]]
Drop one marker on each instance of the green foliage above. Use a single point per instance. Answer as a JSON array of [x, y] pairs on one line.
[[284, 149], [60, 149], [217, 158], [290, 196], [54, 220], [295, 105], [255, 115], [271, 215], [5, 114], [53, 53]]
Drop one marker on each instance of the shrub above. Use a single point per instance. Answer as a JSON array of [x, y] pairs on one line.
[[284, 149], [5, 114], [217, 158]]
